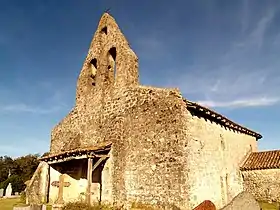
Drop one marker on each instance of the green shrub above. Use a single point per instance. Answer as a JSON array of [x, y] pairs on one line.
[[23, 197]]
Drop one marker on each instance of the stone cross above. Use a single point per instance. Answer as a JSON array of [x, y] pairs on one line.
[[61, 184]]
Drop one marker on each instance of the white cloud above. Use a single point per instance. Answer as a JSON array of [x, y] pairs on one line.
[[257, 35], [241, 103], [29, 109], [243, 76]]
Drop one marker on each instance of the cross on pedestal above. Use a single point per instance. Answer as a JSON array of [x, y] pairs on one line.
[[61, 184]]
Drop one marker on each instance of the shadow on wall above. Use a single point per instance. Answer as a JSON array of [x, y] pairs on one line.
[[210, 119], [77, 169]]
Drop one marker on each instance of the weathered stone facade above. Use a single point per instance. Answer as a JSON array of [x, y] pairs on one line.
[[214, 157], [110, 66], [165, 150], [37, 188]]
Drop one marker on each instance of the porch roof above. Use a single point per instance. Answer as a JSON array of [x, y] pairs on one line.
[[79, 153], [262, 160]]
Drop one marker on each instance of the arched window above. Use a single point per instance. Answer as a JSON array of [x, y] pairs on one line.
[[112, 60], [93, 70]]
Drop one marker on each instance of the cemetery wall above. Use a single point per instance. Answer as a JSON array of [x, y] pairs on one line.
[[263, 184]]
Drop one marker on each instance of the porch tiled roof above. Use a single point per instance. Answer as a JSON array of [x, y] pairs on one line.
[[262, 160], [99, 148]]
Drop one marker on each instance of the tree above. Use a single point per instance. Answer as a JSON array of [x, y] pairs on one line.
[[22, 169], [6, 163], [16, 181]]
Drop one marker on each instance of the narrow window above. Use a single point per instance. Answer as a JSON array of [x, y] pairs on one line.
[[112, 60], [93, 70]]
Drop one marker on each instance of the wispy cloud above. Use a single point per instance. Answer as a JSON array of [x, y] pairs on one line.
[[16, 108], [257, 35], [44, 98], [25, 146], [242, 103], [243, 76]]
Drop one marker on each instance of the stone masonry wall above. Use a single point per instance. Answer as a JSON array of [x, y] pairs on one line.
[[107, 180], [148, 131], [215, 155], [37, 189], [263, 184]]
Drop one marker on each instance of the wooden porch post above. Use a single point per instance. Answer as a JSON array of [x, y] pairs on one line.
[[89, 178]]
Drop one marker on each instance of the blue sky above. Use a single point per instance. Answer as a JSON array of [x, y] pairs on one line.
[[223, 54]]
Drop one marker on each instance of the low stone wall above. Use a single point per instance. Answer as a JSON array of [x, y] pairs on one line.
[[32, 207], [263, 184], [243, 201]]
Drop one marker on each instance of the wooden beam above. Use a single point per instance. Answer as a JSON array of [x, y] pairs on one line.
[[52, 161], [89, 178], [98, 162], [98, 155]]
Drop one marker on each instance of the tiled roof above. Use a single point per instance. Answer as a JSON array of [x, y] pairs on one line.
[[262, 160], [218, 118], [103, 147]]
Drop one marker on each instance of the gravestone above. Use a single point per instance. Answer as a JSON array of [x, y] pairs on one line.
[[1, 193], [206, 205], [8, 192], [243, 201]]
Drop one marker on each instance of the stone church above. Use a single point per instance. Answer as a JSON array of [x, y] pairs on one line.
[[125, 143]]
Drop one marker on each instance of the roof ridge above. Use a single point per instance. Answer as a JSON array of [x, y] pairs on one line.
[[221, 119]]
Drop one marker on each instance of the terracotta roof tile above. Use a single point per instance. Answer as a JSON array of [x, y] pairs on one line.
[[97, 148], [262, 160]]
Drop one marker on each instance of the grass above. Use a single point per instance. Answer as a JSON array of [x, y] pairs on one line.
[[9, 203], [269, 206]]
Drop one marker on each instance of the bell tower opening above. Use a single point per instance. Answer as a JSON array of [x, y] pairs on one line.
[[112, 54], [93, 70], [104, 30]]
